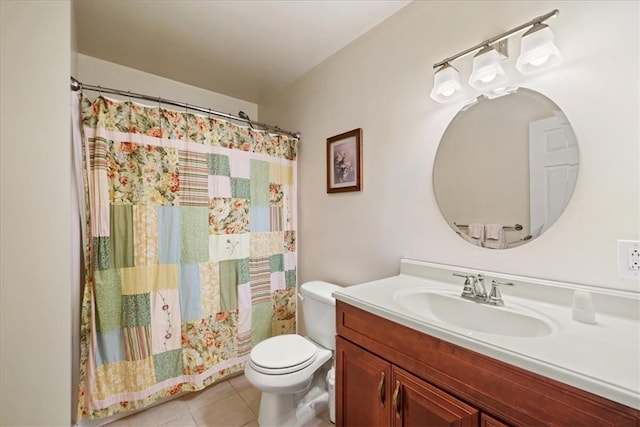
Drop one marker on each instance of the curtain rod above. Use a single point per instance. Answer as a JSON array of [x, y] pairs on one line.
[[76, 86]]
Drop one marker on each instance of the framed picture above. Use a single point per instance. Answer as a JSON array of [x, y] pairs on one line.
[[344, 162]]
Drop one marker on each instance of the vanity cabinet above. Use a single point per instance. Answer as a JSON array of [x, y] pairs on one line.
[[391, 375], [381, 394]]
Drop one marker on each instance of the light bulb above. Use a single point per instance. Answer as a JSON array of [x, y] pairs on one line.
[[539, 61], [488, 78], [447, 92]]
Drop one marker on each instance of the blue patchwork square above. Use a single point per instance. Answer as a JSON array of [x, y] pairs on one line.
[[169, 234], [259, 220], [109, 347], [189, 287]]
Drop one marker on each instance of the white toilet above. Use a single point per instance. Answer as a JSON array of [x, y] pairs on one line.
[[290, 370]]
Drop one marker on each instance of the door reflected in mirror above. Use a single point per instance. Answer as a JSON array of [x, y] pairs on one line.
[[505, 169]]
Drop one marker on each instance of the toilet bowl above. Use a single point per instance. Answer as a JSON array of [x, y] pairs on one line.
[[290, 369]]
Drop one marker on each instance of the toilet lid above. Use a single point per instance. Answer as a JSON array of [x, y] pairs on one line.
[[283, 354]]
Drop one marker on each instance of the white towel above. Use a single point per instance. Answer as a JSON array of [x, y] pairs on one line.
[[476, 233], [470, 239], [495, 238]]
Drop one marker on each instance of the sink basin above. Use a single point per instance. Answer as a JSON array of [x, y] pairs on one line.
[[449, 309]]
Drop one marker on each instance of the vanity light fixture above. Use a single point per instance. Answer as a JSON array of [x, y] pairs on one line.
[[446, 84], [538, 52]]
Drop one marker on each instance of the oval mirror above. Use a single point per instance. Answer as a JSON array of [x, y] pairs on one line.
[[505, 169]]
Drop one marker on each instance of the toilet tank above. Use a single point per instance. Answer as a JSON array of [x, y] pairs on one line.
[[319, 312]]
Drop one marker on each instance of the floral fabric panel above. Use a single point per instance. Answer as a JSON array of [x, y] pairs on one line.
[[192, 258]]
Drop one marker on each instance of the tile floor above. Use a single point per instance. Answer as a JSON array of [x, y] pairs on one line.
[[231, 403]]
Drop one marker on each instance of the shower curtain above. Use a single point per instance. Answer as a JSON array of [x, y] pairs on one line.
[[190, 250]]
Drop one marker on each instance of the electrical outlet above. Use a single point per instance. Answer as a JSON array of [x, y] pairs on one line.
[[629, 258], [634, 259]]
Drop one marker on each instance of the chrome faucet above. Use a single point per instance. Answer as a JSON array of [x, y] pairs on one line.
[[475, 290]]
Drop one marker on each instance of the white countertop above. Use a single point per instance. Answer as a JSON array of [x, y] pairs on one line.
[[603, 359]]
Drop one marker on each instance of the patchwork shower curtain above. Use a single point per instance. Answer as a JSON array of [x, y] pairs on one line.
[[190, 253]]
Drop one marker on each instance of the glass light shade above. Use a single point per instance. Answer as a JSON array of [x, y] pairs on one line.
[[538, 50], [500, 91], [446, 85], [487, 72]]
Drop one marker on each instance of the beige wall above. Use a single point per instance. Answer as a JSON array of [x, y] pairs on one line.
[[97, 72], [35, 269], [381, 83]]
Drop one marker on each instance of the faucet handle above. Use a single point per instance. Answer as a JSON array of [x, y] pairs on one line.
[[497, 282], [495, 297], [469, 289]]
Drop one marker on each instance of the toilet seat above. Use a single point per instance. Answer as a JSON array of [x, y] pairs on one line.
[[283, 354]]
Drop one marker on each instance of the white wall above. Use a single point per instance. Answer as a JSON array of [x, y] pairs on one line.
[[35, 261], [97, 72], [381, 82]]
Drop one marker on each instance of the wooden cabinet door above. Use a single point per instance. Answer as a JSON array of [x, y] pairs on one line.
[[362, 387], [489, 421], [418, 403]]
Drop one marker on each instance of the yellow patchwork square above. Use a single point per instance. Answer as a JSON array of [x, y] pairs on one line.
[[260, 244], [143, 279], [210, 288], [280, 174], [276, 242], [122, 377]]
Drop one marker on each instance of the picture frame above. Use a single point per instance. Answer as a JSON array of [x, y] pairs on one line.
[[344, 162]]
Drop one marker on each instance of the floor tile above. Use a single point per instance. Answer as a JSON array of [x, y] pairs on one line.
[[183, 421], [231, 411], [158, 415], [240, 382], [251, 397], [122, 422], [209, 395], [231, 403]]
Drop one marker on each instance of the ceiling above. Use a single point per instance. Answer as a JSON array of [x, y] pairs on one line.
[[246, 49]]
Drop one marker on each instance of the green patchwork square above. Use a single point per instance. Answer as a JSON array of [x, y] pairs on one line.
[[101, 256], [259, 174], [136, 310], [243, 270], [121, 233], [240, 188], [261, 315], [290, 278], [228, 285], [276, 263], [108, 299], [194, 230], [168, 364], [218, 164]]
